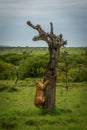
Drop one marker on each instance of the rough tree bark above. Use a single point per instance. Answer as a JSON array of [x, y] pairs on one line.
[[54, 43]]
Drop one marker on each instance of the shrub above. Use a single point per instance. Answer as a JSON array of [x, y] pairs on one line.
[[7, 70]]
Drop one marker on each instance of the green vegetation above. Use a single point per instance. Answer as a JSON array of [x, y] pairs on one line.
[[17, 110], [21, 63], [20, 67]]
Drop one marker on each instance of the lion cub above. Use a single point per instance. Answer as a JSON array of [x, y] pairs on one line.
[[39, 97]]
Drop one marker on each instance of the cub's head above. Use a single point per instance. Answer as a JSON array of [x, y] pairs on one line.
[[37, 82]]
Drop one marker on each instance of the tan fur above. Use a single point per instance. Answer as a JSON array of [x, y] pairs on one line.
[[39, 97]]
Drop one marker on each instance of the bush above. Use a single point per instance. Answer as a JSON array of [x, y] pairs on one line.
[[32, 67], [24, 63], [7, 70]]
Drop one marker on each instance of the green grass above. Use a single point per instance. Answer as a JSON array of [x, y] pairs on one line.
[[17, 111]]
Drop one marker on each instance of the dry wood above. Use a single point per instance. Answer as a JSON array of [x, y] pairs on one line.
[[54, 43]]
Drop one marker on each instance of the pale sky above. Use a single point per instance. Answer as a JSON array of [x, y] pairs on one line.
[[69, 17]]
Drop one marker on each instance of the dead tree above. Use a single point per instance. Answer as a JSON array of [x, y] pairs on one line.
[[54, 43]]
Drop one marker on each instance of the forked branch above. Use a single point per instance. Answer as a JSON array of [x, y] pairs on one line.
[[50, 38], [37, 27]]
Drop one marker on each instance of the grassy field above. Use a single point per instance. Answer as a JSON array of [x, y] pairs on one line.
[[17, 111]]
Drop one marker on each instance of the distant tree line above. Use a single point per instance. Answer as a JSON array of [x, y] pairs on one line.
[[72, 67]]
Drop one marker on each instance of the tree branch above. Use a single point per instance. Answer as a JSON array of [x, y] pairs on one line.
[[30, 24], [50, 38], [51, 28], [37, 27], [64, 43], [42, 34]]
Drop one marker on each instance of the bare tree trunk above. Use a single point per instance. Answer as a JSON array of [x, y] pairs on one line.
[[54, 43], [51, 75]]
